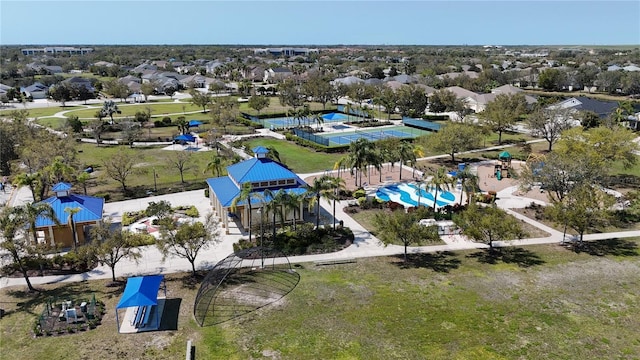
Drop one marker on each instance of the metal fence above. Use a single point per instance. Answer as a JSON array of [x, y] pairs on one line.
[[311, 137]]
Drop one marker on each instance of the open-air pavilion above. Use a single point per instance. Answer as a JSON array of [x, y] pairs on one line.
[[143, 308]]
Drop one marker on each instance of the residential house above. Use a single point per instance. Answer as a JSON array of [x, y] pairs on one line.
[[581, 103], [193, 81], [262, 173], [273, 75], [35, 91], [349, 80], [80, 81], [89, 213]]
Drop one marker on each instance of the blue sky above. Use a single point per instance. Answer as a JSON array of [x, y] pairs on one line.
[[513, 22]]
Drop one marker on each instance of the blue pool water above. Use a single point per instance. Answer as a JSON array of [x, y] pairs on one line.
[[406, 194]]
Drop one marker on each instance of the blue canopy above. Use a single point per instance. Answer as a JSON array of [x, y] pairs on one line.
[[185, 137], [194, 123], [334, 116], [141, 291]]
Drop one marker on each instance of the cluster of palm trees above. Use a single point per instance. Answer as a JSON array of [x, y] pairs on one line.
[[364, 155], [440, 181], [281, 202], [305, 117]]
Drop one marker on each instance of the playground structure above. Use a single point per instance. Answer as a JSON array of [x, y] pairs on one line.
[[503, 169]]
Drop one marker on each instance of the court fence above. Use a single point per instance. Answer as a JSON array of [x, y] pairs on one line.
[[311, 137]]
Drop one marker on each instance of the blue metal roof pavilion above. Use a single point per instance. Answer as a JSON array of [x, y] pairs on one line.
[[141, 291], [90, 207]]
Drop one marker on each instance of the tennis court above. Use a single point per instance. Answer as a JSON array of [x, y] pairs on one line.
[[402, 132], [287, 122]]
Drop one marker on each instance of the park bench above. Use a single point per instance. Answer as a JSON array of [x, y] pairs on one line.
[[335, 262]]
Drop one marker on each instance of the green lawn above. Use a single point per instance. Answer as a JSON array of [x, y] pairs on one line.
[[157, 109], [147, 159], [42, 112], [299, 159], [276, 107], [52, 122], [538, 302]]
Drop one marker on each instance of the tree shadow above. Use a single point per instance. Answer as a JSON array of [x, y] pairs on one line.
[[442, 261], [29, 301], [508, 255], [615, 247], [189, 281]]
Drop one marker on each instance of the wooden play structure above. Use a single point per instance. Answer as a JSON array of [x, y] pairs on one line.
[[503, 169]]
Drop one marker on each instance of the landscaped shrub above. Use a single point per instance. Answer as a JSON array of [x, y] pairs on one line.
[[192, 212], [435, 117], [360, 193]]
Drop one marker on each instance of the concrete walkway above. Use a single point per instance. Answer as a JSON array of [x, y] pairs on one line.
[[365, 245]]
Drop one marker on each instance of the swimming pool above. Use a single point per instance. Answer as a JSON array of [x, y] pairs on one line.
[[406, 194]]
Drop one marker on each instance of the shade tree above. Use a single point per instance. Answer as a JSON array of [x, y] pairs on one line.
[[404, 227]]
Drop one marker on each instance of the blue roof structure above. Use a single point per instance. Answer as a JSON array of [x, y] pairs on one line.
[[259, 169], [224, 189], [185, 137], [141, 291], [61, 186], [260, 150], [194, 123], [90, 207]]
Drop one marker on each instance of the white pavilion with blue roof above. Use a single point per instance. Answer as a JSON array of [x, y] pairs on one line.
[[262, 173], [89, 213]]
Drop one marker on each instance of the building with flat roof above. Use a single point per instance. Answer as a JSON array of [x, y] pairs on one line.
[[56, 50]]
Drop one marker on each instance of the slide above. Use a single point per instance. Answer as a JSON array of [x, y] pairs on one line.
[[499, 175]]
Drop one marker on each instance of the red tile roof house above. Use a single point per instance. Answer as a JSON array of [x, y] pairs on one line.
[[262, 173]]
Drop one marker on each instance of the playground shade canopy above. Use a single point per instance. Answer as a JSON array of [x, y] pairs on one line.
[[194, 123], [141, 291], [504, 155], [185, 137]]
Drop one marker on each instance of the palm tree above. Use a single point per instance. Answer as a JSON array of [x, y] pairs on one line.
[[293, 202], [318, 119], [405, 153], [274, 205], [360, 155], [439, 181], [419, 191], [315, 191], [109, 108], [215, 165], [183, 125], [334, 185], [246, 194], [418, 152], [468, 182], [29, 214], [72, 224], [30, 180]]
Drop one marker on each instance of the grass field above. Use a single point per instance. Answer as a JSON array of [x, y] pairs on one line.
[[147, 159], [299, 159], [42, 112], [157, 109], [538, 302], [275, 107]]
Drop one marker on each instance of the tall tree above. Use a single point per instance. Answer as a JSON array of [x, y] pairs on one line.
[[182, 161], [15, 247], [28, 214], [258, 103], [455, 138], [585, 207], [488, 224], [186, 240], [120, 167], [412, 100], [71, 222], [148, 88], [109, 107], [550, 123], [501, 113], [402, 226], [314, 192], [112, 246], [62, 93], [440, 181], [552, 79], [246, 195], [200, 99]]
